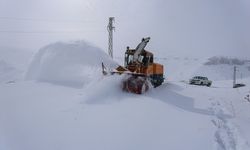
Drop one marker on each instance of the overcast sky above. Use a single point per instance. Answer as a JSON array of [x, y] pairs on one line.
[[176, 27]]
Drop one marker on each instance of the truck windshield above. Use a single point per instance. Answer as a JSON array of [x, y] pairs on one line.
[[130, 59]]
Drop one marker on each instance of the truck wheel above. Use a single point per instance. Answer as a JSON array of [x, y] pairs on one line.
[[209, 84]]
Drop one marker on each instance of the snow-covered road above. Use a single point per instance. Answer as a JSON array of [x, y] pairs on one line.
[[173, 116]]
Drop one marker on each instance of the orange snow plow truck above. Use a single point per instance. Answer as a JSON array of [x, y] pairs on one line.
[[139, 68]]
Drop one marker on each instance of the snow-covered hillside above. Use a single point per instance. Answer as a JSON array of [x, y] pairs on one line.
[[38, 115]]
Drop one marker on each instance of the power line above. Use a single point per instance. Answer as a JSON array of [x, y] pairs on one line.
[[47, 21], [44, 20], [47, 32]]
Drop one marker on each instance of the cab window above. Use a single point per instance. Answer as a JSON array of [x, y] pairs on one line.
[[128, 59]]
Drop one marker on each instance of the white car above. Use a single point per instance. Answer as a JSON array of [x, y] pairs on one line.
[[199, 80]]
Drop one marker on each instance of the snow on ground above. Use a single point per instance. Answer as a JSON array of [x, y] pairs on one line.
[[230, 112], [47, 116]]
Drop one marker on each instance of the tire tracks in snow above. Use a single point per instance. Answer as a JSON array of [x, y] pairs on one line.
[[227, 135]]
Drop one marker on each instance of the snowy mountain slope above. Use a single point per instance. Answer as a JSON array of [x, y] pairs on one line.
[[99, 115]]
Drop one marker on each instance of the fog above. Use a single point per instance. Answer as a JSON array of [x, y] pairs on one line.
[[199, 28]]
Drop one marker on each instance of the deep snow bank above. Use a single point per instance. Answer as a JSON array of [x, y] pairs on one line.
[[109, 89], [71, 64]]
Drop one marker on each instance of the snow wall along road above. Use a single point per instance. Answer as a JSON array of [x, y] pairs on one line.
[[70, 64]]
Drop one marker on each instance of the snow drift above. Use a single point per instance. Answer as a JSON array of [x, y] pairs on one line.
[[70, 64]]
